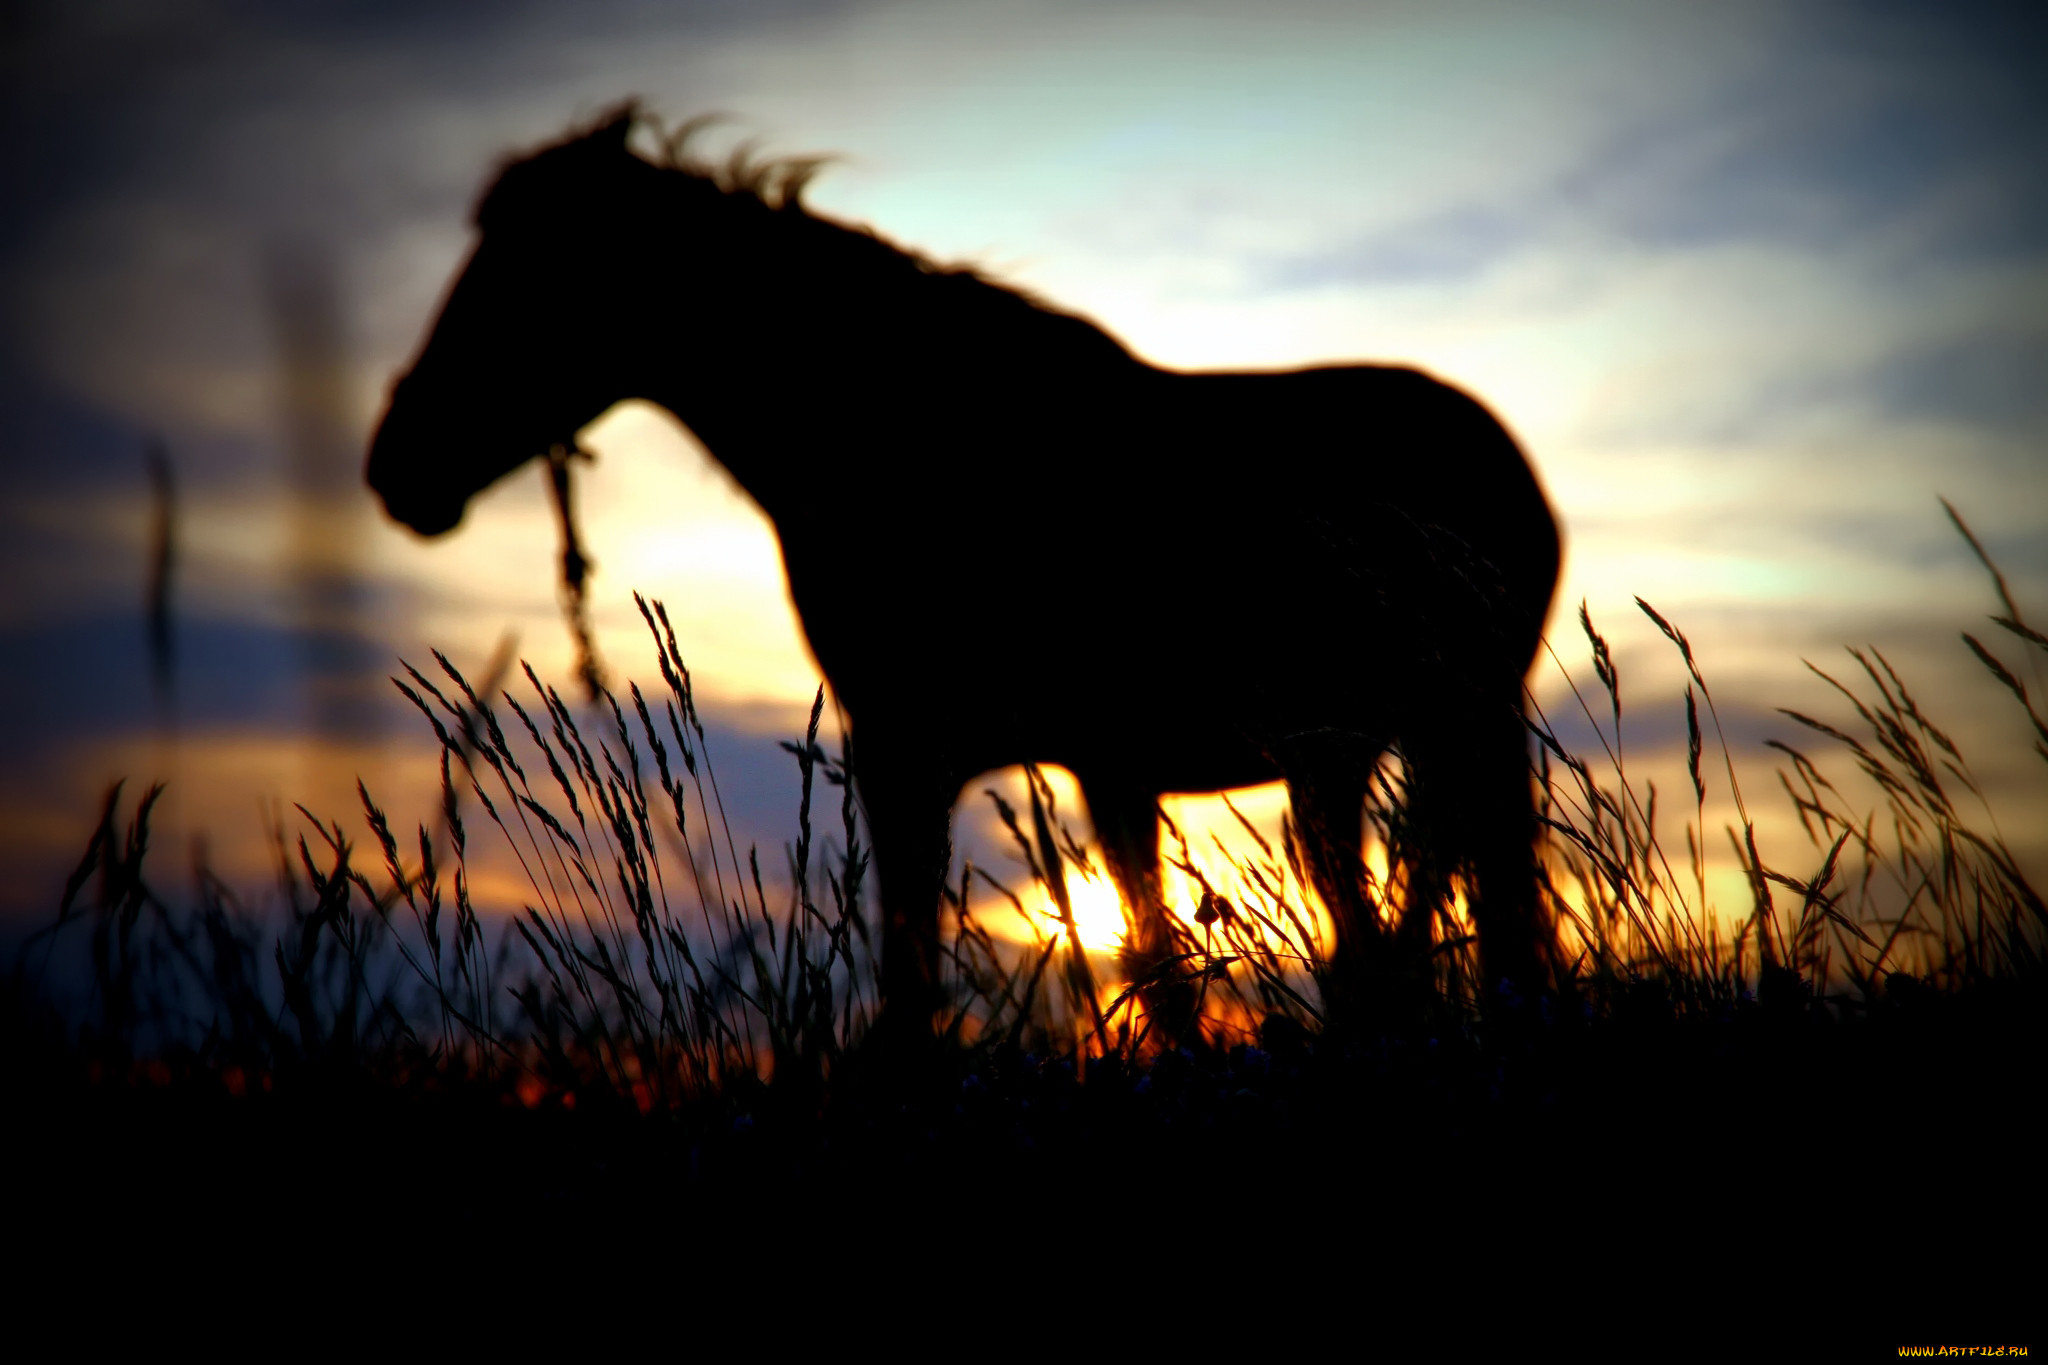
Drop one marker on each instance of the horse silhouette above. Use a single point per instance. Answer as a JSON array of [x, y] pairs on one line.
[[1234, 577]]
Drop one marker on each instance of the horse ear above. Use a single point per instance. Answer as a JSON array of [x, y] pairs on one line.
[[614, 128]]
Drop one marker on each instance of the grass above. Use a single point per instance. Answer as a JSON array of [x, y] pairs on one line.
[[650, 960], [667, 1030]]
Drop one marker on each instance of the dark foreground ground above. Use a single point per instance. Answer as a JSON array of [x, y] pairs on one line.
[[1640, 1185]]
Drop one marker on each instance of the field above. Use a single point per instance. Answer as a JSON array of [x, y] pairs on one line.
[[1805, 1117]]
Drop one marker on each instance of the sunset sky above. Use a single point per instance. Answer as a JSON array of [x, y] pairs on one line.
[[1753, 283]]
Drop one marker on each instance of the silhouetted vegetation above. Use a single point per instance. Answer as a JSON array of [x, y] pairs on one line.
[[660, 1030]]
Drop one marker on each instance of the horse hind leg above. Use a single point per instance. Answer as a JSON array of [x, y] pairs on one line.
[[1517, 942], [1476, 806], [1126, 820]]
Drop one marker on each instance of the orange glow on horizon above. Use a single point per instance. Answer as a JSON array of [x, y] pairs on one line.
[[1218, 844]]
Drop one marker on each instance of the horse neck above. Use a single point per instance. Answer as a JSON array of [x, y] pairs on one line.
[[787, 376], [717, 342]]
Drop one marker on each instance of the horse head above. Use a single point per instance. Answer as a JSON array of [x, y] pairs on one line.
[[529, 346]]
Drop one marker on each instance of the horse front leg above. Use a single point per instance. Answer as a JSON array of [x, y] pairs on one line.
[[907, 795]]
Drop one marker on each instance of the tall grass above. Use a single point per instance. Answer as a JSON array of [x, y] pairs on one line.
[[652, 966], [1907, 894], [659, 975]]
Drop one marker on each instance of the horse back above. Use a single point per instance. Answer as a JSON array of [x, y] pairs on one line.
[[1121, 525], [1368, 464]]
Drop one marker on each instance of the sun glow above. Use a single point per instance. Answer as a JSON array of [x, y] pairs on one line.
[[1097, 908], [1219, 836]]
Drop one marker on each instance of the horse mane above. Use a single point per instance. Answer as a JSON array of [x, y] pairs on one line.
[[772, 187]]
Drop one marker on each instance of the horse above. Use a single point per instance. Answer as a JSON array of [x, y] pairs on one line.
[[1237, 577]]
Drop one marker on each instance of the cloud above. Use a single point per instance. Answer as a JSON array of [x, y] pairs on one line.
[[1986, 380], [1821, 138], [1447, 248]]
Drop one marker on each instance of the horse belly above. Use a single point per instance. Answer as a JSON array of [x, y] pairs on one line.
[[1148, 723]]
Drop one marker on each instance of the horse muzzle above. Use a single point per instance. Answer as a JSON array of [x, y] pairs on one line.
[[404, 474], [426, 519]]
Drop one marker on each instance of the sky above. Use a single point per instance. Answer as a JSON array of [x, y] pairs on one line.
[[1754, 284]]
